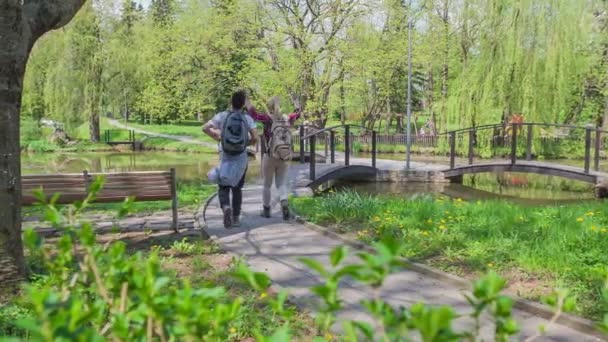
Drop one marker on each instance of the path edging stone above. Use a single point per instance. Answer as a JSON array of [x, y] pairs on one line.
[[577, 323]]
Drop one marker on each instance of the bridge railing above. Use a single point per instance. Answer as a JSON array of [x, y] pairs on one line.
[[331, 140], [582, 146]]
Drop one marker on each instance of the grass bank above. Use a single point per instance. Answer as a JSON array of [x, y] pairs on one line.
[[164, 144], [536, 249]]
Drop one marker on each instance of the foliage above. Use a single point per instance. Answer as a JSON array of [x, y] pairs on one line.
[[473, 61], [89, 291], [554, 245]]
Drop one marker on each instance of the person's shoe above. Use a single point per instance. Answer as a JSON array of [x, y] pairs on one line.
[[227, 217], [266, 212], [236, 221], [285, 210]]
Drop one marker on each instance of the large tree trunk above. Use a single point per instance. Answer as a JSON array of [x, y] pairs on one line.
[[13, 58], [21, 24]]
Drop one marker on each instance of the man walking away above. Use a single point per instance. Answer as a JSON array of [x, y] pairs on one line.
[[234, 130]]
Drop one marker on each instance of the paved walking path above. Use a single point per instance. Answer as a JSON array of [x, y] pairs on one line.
[[274, 246], [182, 138]]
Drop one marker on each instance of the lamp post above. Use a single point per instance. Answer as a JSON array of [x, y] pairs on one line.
[[409, 89]]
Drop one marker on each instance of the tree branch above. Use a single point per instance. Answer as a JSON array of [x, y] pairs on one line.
[[45, 15]]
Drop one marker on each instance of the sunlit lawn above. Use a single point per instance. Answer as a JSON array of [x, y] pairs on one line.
[[537, 249]]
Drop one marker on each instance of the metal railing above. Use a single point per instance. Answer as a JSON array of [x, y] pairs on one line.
[[311, 139], [524, 141]]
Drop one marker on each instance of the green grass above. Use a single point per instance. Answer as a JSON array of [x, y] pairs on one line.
[[176, 129], [165, 144], [537, 248]]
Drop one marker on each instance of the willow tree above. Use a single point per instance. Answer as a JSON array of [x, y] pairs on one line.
[[22, 22]]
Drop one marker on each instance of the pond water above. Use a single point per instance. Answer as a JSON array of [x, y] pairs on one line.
[[527, 189], [189, 167], [524, 188]]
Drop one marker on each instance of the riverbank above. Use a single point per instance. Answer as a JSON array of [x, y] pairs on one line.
[[535, 249]]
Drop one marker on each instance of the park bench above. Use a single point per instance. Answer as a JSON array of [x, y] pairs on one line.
[[143, 186]]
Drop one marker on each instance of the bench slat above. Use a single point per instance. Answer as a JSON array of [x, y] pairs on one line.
[[133, 189], [133, 174], [140, 198], [161, 179], [138, 181]]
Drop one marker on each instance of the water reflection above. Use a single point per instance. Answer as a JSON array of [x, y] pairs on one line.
[[187, 166], [528, 189]]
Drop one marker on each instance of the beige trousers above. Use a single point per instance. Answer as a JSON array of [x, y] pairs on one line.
[[277, 169]]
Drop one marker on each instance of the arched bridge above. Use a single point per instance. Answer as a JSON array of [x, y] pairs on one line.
[[567, 151], [331, 171]]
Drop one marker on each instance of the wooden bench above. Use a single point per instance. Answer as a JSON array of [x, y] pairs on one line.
[[143, 186]]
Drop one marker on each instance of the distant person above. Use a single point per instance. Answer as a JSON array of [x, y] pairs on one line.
[[276, 156], [234, 130]]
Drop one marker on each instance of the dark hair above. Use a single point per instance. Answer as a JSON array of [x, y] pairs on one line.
[[238, 99]]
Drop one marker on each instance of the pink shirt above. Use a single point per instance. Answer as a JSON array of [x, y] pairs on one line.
[[267, 120]]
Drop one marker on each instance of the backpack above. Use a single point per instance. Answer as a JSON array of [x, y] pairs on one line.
[[279, 145], [235, 134]]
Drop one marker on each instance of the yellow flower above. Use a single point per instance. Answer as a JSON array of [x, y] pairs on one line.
[[589, 213], [459, 200], [329, 336], [490, 264], [425, 233], [594, 228], [580, 219], [442, 221], [429, 221], [263, 295], [604, 230], [442, 227], [233, 330]]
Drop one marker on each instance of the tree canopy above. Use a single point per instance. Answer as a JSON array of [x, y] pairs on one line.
[[475, 61]]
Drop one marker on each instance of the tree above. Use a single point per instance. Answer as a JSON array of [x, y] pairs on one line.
[[313, 29], [21, 24]]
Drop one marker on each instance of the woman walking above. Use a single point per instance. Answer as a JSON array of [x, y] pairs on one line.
[[277, 154]]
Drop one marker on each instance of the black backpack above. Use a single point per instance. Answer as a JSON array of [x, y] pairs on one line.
[[235, 134]]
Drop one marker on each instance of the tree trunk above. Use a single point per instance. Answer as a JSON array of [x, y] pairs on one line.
[[21, 24], [94, 126], [430, 91], [342, 105], [605, 120], [445, 67], [13, 58]]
